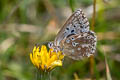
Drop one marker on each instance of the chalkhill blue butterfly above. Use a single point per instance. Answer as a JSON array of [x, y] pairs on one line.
[[75, 39]]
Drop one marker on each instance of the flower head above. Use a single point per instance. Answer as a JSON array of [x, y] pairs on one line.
[[46, 60]]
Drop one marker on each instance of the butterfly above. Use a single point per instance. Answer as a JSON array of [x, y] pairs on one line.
[[75, 39]]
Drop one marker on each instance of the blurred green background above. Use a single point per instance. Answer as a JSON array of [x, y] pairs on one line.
[[23, 23]]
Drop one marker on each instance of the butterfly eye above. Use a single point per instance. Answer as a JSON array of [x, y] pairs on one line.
[[50, 45]]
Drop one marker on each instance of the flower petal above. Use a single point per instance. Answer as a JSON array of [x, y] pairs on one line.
[[55, 63]]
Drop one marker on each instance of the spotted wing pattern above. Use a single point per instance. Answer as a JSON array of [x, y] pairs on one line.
[[76, 24], [75, 39], [79, 46]]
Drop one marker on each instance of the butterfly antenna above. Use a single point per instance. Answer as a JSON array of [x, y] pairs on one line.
[[42, 43]]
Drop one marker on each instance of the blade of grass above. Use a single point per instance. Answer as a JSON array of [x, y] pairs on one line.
[[92, 26], [93, 16], [76, 76], [72, 4], [92, 67], [108, 74]]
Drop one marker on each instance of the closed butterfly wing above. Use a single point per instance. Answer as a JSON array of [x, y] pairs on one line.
[[75, 39], [79, 46], [76, 24]]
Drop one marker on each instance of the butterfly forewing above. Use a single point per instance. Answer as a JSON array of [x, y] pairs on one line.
[[76, 24], [79, 46]]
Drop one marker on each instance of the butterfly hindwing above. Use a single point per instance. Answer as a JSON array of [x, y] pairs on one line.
[[79, 46]]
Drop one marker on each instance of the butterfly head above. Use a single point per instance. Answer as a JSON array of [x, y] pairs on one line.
[[54, 47], [51, 45]]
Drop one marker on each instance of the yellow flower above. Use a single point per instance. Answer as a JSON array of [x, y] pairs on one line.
[[45, 60]]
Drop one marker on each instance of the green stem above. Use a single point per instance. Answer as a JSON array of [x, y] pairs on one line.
[[43, 75]]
